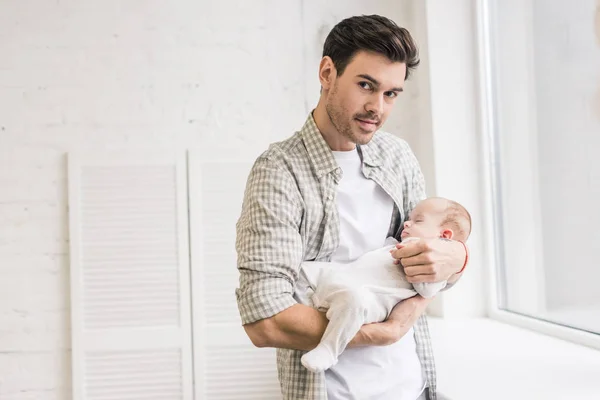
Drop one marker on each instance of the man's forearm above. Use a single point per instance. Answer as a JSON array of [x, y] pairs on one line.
[[376, 334], [301, 328], [401, 319], [405, 314]]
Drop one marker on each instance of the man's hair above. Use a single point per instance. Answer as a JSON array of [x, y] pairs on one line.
[[372, 33], [458, 219]]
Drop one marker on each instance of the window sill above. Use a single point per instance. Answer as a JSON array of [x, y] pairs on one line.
[[483, 358]]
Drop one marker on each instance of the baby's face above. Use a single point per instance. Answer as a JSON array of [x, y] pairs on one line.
[[425, 220]]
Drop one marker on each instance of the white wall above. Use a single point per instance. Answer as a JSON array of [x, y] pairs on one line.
[[449, 139], [229, 76]]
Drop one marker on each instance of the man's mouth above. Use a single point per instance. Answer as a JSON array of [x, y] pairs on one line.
[[368, 121], [368, 124]]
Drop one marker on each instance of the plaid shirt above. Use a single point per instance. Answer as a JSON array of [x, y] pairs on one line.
[[289, 215]]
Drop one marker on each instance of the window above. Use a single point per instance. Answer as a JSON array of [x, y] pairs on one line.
[[543, 87]]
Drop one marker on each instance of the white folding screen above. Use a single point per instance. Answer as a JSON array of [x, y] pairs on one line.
[[130, 276], [153, 246], [226, 364]]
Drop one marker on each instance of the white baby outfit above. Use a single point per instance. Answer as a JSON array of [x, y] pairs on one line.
[[354, 294]]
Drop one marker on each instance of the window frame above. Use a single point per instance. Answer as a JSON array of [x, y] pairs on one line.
[[494, 257]]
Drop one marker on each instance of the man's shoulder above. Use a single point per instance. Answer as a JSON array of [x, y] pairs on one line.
[[283, 159], [278, 153]]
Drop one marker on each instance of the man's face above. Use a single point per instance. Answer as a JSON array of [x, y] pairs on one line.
[[360, 100]]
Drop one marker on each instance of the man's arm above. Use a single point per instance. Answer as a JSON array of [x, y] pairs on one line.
[[301, 327], [269, 248], [401, 319]]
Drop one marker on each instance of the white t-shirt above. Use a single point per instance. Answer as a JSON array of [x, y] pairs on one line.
[[376, 372]]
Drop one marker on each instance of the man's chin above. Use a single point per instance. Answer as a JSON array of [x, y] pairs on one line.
[[363, 138]]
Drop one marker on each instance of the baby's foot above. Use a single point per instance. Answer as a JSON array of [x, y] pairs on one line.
[[319, 359]]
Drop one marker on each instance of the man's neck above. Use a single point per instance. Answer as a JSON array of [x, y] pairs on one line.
[[335, 140]]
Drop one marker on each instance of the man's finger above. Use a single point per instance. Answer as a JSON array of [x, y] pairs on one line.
[[420, 259], [409, 249], [427, 269]]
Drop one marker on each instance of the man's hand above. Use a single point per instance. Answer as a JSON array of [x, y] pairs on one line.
[[430, 260]]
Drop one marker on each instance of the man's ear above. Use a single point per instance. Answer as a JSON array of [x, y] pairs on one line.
[[327, 73], [447, 234]]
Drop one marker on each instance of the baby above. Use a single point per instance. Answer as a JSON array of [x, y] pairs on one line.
[[366, 290]]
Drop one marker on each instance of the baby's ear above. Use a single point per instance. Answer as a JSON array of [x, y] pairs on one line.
[[447, 234]]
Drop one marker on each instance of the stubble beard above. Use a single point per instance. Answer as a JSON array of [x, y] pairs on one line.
[[338, 118], [342, 122]]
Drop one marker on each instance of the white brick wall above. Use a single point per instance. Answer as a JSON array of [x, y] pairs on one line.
[[228, 75]]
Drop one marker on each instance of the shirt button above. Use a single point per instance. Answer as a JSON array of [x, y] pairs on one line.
[[329, 197]]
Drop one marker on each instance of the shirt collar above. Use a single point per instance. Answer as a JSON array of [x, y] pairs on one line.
[[319, 152], [371, 153]]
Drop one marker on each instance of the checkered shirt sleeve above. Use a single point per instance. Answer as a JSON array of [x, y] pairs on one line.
[[268, 243]]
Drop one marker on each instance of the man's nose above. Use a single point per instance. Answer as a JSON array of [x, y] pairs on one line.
[[375, 105]]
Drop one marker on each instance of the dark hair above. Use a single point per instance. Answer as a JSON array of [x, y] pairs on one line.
[[370, 33]]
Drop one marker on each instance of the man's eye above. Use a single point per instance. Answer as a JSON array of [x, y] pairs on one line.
[[391, 95], [365, 85]]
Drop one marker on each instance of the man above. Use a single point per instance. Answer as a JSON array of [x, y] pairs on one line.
[[332, 192]]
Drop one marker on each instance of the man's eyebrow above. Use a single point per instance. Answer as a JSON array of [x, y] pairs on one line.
[[376, 82]]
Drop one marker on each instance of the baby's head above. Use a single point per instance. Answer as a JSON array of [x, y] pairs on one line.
[[438, 217]]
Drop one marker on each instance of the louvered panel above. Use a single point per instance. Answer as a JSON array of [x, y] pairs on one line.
[[241, 372], [221, 291], [228, 366], [131, 318], [133, 375], [221, 206], [120, 207]]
